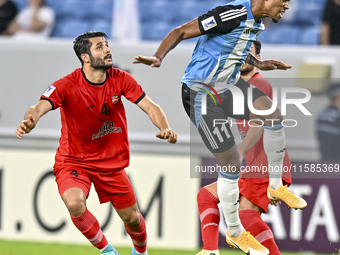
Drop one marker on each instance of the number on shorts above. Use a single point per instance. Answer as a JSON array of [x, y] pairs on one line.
[[75, 173], [223, 130]]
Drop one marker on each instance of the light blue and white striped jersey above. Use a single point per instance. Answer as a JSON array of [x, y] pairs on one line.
[[227, 34]]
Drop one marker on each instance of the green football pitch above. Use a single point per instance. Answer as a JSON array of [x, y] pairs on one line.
[[34, 248]]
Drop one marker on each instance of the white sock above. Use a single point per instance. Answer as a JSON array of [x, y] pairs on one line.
[[274, 141], [228, 194], [144, 253]]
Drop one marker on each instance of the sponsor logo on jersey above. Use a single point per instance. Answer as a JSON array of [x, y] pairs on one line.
[[115, 99], [49, 91], [246, 31], [209, 23], [107, 128]]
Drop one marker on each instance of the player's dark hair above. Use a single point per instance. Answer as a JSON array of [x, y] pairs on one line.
[[334, 90], [258, 46], [82, 44]]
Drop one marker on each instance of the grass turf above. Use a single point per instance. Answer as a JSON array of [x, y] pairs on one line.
[[35, 248]]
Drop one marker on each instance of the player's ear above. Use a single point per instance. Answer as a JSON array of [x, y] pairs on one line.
[[258, 56], [85, 57]]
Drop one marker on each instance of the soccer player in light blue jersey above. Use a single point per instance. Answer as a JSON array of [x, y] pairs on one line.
[[226, 35]]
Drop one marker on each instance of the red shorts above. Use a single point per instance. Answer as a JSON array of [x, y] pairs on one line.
[[255, 190], [111, 186]]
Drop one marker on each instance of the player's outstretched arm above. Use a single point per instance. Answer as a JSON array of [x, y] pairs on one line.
[[266, 65], [186, 31], [158, 118], [32, 116]]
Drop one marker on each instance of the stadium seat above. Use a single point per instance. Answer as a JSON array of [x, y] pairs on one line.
[[263, 37], [70, 28], [215, 3], [310, 36], [191, 9], [155, 31], [101, 10], [20, 4], [78, 9], [101, 25], [308, 14], [144, 11], [284, 34], [164, 11]]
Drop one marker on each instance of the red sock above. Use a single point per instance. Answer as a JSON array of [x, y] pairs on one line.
[[89, 226], [138, 235], [210, 218], [252, 222]]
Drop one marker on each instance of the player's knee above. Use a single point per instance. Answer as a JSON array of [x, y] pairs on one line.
[[75, 206], [131, 219], [230, 162], [274, 119]]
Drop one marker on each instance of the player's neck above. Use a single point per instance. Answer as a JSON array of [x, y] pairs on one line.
[[94, 75], [258, 9], [247, 76]]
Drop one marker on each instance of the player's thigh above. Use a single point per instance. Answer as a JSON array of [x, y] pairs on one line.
[[212, 123], [114, 187], [68, 177], [255, 190], [228, 100]]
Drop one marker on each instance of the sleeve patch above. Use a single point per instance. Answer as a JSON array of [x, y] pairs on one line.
[[49, 91], [209, 23]]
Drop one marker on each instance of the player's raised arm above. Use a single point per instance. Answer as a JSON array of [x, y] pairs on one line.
[[186, 31], [266, 65], [158, 118], [32, 116]]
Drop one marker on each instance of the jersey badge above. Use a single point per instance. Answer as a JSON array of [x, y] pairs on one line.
[[115, 99], [209, 23], [49, 91], [242, 134]]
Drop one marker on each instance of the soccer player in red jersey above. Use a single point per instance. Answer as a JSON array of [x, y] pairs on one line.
[[94, 147], [252, 186]]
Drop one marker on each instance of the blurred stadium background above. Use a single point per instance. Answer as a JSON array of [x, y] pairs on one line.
[[30, 208]]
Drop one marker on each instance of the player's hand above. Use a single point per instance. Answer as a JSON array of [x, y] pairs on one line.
[[25, 126], [267, 65], [168, 134], [275, 203], [151, 61]]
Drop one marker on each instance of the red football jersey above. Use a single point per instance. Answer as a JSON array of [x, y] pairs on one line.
[[256, 156], [94, 130]]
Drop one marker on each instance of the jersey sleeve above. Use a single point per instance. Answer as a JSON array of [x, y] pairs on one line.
[[55, 94], [222, 19], [262, 84], [132, 91]]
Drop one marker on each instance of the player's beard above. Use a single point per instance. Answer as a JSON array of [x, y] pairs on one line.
[[246, 69], [98, 63]]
